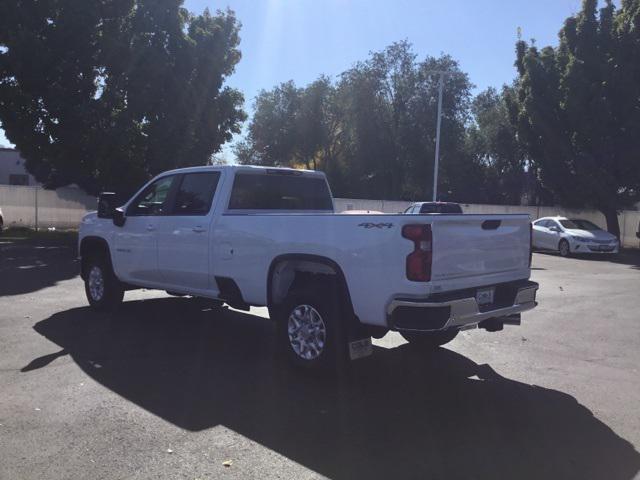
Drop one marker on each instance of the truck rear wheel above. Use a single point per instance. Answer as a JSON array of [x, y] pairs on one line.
[[429, 340], [104, 291], [310, 333]]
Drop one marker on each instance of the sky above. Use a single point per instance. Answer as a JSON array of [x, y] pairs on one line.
[[302, 39]]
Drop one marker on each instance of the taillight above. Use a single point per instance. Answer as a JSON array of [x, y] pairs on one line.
[[419, 261], [530, 243]]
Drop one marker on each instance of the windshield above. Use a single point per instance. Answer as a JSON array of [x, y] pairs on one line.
[[577, 224], [441, 208]]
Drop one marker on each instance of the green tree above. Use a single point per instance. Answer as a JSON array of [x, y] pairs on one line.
[[373, 131], [579, 112], [290, 127], [493, 140], [106, 93], [271, 137]]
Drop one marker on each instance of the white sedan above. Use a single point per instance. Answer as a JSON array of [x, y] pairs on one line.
[[575, 235]]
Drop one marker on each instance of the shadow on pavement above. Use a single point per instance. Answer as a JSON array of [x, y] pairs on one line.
[[624, 257], [399, 415], [30, 265]]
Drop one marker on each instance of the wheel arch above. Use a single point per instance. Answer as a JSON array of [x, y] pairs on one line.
[[297, 262], [564, 239], [90, 245]]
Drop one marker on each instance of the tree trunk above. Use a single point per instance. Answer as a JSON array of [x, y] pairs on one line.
[[611, 215]]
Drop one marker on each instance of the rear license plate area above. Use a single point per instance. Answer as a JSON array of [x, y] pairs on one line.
[[485, 296]]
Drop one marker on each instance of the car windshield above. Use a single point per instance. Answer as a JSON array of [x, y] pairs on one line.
[[578, 224], [441, 208]]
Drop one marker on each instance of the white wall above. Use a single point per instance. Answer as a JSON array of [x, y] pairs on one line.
[[628, 219], [62, 208]]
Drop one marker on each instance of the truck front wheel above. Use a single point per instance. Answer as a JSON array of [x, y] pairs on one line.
[[104, 291], [429, 340], [309, 330]]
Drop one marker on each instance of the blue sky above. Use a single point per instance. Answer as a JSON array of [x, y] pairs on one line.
[[301, 39]]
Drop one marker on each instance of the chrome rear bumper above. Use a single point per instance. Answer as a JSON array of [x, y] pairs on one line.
[[464, 312]]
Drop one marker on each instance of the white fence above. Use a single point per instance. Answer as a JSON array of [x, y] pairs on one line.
[[36, 207], [64, 208], [629, 219]]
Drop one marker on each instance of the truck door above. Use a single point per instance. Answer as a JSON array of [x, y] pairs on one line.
[[136, 247], [184, 233]]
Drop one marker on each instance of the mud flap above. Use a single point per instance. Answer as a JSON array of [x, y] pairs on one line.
[[360, 348]]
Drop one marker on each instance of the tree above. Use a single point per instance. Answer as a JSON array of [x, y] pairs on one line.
[[106, 93], [493, 140], [579, 108], [290, 126], [372, 131], [389, 115]]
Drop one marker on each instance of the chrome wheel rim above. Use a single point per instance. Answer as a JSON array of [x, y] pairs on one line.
[[307, 332], [96, 283]]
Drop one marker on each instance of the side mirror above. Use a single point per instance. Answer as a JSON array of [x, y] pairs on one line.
[[118, 217], [106, 204], [554, 229]]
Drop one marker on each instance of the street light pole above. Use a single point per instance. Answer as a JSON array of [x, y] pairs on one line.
[[439, 121]]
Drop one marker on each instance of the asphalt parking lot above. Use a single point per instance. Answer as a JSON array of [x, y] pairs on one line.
[[164, 389]]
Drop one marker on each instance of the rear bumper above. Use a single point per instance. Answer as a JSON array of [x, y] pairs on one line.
[[459, 311]]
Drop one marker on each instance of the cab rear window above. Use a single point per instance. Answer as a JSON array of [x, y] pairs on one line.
[[266, 191]]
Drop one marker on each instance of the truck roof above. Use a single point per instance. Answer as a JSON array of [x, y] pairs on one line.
[[248, 168]]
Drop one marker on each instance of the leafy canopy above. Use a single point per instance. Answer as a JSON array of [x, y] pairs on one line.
[[373, 130], [106, 93], [579, 108]]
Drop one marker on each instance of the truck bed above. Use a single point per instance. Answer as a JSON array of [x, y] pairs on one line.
[[468, 251]]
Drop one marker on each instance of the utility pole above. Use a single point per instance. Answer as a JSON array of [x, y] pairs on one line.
[[438, 124], [36, 205]]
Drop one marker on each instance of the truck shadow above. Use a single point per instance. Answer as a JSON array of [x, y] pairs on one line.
[[29, 265], [399, 415]]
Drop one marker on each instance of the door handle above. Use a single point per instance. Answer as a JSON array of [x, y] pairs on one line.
[[151, 228], [198, 229]]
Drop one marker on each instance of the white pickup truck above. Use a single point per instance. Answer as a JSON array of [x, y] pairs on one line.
[[251, 236]]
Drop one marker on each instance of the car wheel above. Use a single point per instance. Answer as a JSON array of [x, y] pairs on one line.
[[429, 340], [309, 330], [104, 291], [563, 248]]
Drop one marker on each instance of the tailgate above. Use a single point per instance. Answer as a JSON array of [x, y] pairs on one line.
[[473, 246]]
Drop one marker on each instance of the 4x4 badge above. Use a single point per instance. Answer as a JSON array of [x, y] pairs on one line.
[[368, 225]]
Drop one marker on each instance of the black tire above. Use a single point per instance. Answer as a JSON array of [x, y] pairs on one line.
[[563, 248], [429, 340], [104, 291], [319, 342]]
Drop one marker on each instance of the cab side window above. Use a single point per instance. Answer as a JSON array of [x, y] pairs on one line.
[[151, 201], [552, 223], [195, 194]]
